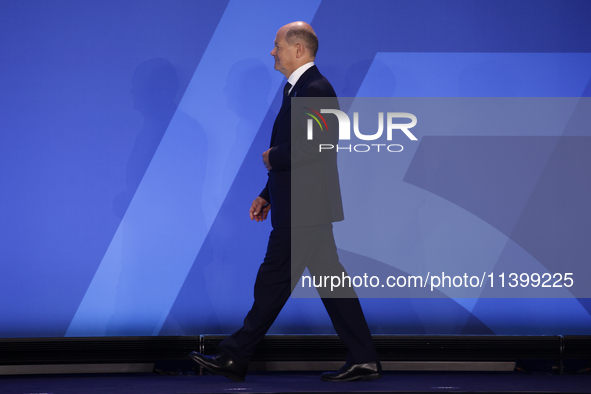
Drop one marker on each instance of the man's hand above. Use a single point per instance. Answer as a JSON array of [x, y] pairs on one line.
[[259, 209], [266, 160]]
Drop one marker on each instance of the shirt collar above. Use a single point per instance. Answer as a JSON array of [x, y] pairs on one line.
[[293, 78]]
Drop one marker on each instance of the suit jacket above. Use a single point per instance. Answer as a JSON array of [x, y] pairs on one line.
[[316, 196]]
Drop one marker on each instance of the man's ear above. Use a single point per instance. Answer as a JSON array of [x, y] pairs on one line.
[[299, 50]]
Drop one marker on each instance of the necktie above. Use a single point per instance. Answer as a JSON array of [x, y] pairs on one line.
[[286, 94]]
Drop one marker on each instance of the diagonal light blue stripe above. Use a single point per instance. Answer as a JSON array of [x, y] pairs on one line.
[[164, 227]]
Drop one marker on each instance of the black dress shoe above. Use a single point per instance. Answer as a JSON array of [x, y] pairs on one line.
[[221, 364], [351, 372]]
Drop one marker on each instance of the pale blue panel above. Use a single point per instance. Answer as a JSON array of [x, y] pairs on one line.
[[188, 179], [442, 227], [421, 230], [477, 75]]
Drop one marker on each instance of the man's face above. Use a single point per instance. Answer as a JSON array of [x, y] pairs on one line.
[[284, 54]]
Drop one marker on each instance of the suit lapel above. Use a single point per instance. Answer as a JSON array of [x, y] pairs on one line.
[[295, 92]]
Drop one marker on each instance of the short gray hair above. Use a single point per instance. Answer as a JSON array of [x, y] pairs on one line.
[[304, 35]]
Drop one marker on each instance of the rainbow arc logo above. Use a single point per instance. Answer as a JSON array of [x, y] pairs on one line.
[[315, 116]]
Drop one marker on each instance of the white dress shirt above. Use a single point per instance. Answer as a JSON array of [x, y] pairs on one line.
[[293, 78]]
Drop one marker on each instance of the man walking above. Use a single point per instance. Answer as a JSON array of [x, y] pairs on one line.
[[294, 52]]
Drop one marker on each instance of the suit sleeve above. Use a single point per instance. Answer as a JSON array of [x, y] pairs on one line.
[[265, 193]]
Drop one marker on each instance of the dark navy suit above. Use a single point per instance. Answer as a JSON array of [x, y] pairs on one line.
[[309, 227]]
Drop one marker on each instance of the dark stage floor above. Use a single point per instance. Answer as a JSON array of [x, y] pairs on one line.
[[296, 383]]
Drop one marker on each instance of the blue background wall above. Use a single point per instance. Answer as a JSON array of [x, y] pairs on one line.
[[130, 142]]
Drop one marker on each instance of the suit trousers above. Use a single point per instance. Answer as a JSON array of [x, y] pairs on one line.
[[313, 247]]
